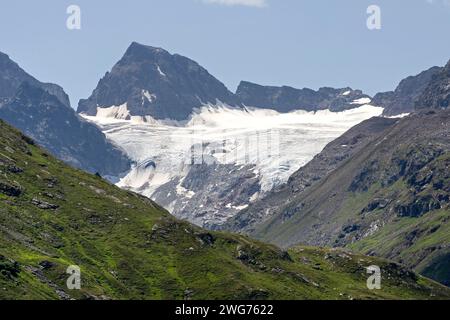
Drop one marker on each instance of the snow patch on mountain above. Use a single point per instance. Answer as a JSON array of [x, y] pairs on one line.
[[398, 116], [160, 71], [149, 96], [362, 101], [114, 112]]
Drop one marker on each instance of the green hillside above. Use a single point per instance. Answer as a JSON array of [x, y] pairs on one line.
[[53, 216]]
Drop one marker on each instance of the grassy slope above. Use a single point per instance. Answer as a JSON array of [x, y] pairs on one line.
[[421, 242], [129, 248]]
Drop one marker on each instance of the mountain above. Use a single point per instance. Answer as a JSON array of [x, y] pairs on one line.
[[152, 82], [43, 112], [61, 131], [405, 96], [437, 93], [390, 199], [286, 99], [12, 76], [127, 247], [331, 157], [135, 103]]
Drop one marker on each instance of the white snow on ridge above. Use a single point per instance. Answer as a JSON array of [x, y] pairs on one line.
[[362, 101], [149, 96], [278, 144], [160, 71], [399, 116], [114, 112]]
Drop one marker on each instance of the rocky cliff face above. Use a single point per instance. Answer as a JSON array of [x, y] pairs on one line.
[[285, 99], [12, 76], [151, 81], [437, 93], [405, 96]]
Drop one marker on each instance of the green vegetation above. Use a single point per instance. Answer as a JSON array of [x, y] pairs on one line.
[[417, 235], [400, 240], [53, 216]]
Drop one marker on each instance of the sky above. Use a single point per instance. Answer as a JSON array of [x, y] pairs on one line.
[[299, 43]]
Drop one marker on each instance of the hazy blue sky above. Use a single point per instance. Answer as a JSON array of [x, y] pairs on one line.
[[302, 43]]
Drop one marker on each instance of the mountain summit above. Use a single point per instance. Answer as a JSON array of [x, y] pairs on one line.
[[151, 81]]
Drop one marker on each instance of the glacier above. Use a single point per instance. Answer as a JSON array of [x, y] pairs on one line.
[[221, 159]]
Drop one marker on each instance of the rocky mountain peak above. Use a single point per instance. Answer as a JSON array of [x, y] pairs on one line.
[[139, 52], [437, 93], [154, 82]]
